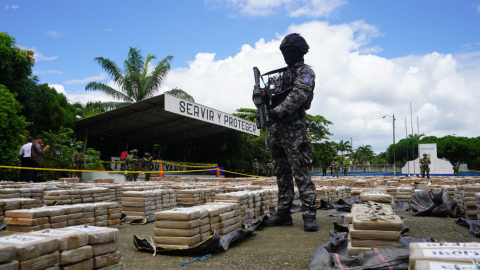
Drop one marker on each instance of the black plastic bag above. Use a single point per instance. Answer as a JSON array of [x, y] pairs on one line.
[[213, 244], [434, 203], [333, 255], [473, 225], [340, 205], [402, 206]]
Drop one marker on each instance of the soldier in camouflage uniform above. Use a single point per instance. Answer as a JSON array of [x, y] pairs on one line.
[[78, 161], [256, 167], [324, 170], [146, 164], [289, 140], [345, 170], [455, 170], [335, 167], [424, 166], [270, 168], [132, 165]]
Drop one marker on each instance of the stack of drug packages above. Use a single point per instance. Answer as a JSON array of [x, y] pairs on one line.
[[189, 197], [377, 195], [100, 194], [323, 193], [69, 180], [181, 228], [229, 217], [373, 229], [261, 204], [107, 214], [272, 196], [169, 199], [57, 197], [404, 194], [450, 190], [104, 180], [433, 256], [112, 193], [26, 220], [243, 198], [138, 204], [468, 201], [7, 257], [392, 191]]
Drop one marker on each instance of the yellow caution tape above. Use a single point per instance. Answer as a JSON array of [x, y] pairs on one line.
[[175, 163]]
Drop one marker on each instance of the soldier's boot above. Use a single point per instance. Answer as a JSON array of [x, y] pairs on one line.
[[310, 223], [281, 218]]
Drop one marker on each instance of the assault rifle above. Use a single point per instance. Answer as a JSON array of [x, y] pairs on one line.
[[263, 118]]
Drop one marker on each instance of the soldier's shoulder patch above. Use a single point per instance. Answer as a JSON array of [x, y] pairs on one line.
[[38, 146], [307, 78]]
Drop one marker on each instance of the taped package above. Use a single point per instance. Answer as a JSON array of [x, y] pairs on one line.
[[29, 246], [173, 224], [7, 253], [13, 265], [180, 214], [83, 265], [106, 259], [435, 265], [376, 197], [373, 234], [41, 262], [177, 241], [97, 235], [118, 266], [101, 249], [448, 253], [67, 239], [76, 255], [377, 222]]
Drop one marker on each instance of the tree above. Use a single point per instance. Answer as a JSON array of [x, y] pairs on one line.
[[417, 136], [12, 127], [135, 81], [16, 75], [180, 93], [380, 159], [56, 113], [92, 108], [365, 153], [317, 128], [343, 146]]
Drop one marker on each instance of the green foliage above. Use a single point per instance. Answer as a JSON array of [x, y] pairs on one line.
[[56, 113], [380, 159], [343, 146], [16, 74], [401, 150], [364, 154], [318, 128], [181, 94], [12, 126], [134, 82], [92, 108], [60, 154], [323, 153]]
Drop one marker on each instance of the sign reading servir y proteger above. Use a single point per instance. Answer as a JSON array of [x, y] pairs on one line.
[[194, 110]]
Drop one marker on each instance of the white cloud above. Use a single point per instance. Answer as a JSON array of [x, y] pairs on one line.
[[466, 46], [54, 34], [47, 72], [294, 8], [100, 77], [38, 56], [108, 29]]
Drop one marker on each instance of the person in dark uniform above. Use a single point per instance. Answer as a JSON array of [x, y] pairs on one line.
[[289, 141]]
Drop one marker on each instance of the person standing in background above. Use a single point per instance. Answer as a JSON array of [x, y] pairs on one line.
[[123, 156], [26, 160], [38, 154]]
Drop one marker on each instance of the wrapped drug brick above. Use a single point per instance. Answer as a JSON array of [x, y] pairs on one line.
[[188, 197], [443, 254], [57, 216], [7, 256], [23, 221], [179, 227], [57, 196], [28, 247], [138, 204]]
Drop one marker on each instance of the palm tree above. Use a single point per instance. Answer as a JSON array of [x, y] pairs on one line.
[[365, 152], [344, 146], [181, 94], [135, 81], [417, 136]]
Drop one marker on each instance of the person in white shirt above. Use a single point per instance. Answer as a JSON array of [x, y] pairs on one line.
[[26, 160]]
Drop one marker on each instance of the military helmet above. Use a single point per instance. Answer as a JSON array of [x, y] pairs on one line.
[[147, 154], [135, 151], [296, 41], [335, 158], [131, 151], [79, 147], [425, 154]]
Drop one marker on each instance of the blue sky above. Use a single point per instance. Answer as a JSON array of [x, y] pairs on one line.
[[67, 35]]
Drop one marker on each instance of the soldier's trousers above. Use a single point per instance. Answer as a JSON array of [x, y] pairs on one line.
[[293, 155], [335, 172], [79, 166], [423, 173], [345, 173], [147, 175]]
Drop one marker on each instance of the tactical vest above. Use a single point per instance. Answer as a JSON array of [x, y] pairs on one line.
[[79, 157], [279, 87]]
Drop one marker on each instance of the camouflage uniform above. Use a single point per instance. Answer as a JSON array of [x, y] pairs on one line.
[[79, 161], [256, 167], [324, 170], [424, 162], [335, 167], [291, 146], [270, 168], [455, 170], [132, 165], [146, 164], [345, 170]]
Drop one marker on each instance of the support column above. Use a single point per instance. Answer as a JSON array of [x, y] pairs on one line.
[[86, 140]]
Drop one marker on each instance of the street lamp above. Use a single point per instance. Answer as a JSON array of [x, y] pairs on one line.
[[394, 164]]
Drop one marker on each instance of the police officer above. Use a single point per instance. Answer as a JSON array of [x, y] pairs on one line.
[[324, 169], [335, 167], [256, 166], [270, 168], [132, 165], [146, 164], [78, 161], [455, 170], [424, 166], [289, 140]]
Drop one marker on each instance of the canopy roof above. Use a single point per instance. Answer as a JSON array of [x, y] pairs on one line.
[[148, 120]]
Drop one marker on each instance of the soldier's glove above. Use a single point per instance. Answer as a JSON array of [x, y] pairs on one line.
[[273, 115]]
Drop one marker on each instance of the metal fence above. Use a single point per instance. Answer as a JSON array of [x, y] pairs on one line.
[[388, 168]]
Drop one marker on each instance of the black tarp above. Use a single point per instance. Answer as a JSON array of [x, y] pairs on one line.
[[333, 255], [473, 225], [434, 203], [214, 244], [340, 205], [402, 206]]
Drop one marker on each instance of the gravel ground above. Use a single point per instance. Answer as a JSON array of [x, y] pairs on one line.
[[275, 247]]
